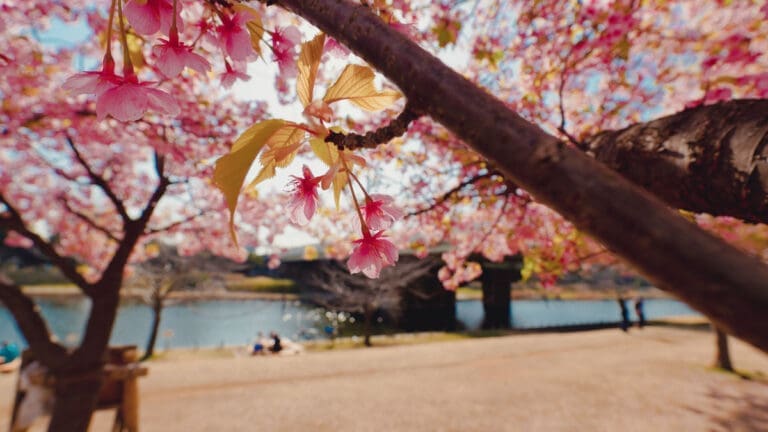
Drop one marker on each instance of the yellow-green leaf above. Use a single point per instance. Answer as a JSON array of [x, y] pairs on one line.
[[339, 181], [326, 152], [231, 169], [355, 84], [309, 61], [267, 172], [283, 145]]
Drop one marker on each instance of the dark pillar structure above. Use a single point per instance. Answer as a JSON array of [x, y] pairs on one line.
[[497, 280], [427, 305], [496, 297]]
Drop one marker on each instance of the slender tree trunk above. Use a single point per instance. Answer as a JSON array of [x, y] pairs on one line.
[[75, 400], [723, 355], [367, 326], [157, 311]]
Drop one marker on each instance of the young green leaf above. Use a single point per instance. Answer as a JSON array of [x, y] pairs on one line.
[[231, 169], [355, 84]]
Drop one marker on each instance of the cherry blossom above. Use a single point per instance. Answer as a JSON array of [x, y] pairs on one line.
[[231, 75], [150, 16], [130, 99], [174, 56], [379, 212], [284, 41], [304, 199], [372, 253], [233, 37], [93, 82]]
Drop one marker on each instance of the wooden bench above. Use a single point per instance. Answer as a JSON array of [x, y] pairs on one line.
[[120, 389]]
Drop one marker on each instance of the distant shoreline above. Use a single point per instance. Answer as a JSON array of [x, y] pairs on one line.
[[73, 291], [462, 295]]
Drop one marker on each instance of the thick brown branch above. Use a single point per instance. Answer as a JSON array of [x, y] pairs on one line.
[[99, 181], [382, 135], [13, 221], [710, 159], [27, 316], [717, 279]]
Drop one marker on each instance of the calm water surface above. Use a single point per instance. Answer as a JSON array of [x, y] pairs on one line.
[[234, 322]]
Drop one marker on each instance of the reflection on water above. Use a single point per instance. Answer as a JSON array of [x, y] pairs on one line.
[[552, 313], [236, 322]]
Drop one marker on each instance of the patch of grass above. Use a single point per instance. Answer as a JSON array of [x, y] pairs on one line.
[[263, 284], [469, 293], [398, 339], [758, 376], [36, 275], [186, 353]]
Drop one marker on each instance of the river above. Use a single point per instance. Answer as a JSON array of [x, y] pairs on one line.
[[210, 323]]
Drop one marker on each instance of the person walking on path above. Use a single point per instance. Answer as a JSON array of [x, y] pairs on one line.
[[624, 313], [640, 311]]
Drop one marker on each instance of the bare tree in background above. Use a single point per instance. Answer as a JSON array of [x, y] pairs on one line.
[[723, 354], [337, 289], [169, 272]]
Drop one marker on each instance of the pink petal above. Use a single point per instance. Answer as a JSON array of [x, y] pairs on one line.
[[144, 18], [169, 61], [126, 102], [162, 102]]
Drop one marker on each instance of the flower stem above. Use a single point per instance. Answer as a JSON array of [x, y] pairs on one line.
[[173, 32], [127, 64], [363, 226], [108, 50]]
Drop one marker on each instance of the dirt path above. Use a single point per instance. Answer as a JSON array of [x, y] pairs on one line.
[[652, 380]]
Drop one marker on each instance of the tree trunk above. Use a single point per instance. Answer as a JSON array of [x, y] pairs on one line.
[[367, 326], [75, 400], [723, 356], [727, 285], [157, 311]]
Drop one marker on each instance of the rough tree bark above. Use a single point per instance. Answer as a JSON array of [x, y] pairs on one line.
[[725, 284], [710, 159]]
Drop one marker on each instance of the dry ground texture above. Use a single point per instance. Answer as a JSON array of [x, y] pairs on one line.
[[657, 379]]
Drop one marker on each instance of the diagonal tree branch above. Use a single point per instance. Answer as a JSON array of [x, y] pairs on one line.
[[382, 135], [99, 181], [13, 221], [447, 195], [727, 285], [88, 220], [173, 225], [26, 314]]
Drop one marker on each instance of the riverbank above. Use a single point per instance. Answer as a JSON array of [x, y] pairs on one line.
[[655, 379], [73, 291], [567, 292]]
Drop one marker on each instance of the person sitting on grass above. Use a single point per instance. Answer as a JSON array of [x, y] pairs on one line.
[[276, 346], [258, 346], [8, 352]]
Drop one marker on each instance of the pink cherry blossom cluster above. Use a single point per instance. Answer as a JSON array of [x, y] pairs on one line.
[[127, 98], [373, 251]]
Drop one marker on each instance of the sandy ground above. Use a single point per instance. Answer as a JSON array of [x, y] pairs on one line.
[[657, 379]]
